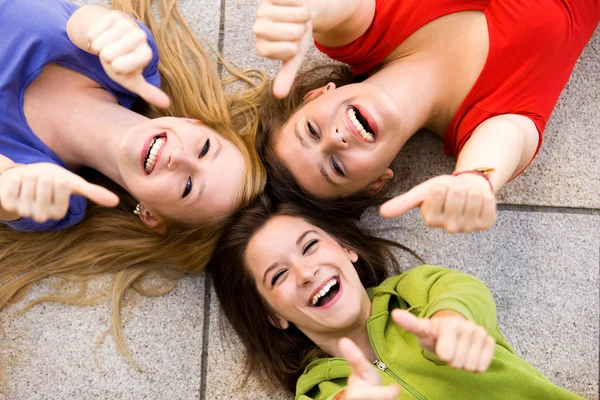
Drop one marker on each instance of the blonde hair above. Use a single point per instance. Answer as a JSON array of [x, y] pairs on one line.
[[115, 240]]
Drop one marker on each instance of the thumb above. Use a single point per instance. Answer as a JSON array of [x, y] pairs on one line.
[[150, 93], [407, 201], [95, 193], [282, 84], [419, 326]]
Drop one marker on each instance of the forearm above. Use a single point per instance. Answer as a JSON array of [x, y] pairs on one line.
[[6, 163], [505, 143], [337, 22]]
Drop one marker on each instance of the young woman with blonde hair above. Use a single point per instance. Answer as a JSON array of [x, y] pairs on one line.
[[71, 77]]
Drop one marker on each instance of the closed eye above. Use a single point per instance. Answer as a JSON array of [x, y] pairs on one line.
[[311, 131], [188, 188], [278, 275], [205, 149], [336, 167], [309, 245]]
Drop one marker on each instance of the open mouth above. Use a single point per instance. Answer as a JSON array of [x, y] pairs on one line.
[[361, 123], [327, 293], [153, 152]]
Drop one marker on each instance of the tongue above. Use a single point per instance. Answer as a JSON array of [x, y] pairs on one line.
[[328, 297]]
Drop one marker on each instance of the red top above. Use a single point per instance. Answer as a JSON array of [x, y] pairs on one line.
[[533, 47]]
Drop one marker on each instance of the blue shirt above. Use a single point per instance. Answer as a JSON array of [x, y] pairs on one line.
[[32, 35]]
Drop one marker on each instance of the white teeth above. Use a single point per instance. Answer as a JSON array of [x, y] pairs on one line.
[[369, 137], [324, 291], [154, 149]]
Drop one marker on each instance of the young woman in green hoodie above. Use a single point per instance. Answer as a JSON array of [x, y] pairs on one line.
[[302, 309]]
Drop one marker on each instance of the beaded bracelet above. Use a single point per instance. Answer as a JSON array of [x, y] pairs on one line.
[[483, 172]]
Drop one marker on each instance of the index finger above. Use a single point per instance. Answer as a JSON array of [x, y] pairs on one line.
[[95, 193], [359, 364]]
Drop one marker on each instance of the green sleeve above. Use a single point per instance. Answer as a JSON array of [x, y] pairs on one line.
[[325, 390], [428, 289]]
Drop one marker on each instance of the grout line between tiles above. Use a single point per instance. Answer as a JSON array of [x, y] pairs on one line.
[[548, 209], [207, 277]]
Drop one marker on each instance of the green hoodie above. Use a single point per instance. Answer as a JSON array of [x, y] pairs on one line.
[[424, 291]]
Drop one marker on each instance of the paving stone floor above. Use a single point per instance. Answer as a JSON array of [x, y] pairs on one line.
[[541, 261]]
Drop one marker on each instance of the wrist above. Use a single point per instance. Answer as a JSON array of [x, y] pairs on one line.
[[482, 172], [447, 314]]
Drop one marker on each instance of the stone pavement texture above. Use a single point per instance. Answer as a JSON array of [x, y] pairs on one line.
[[541, 261]]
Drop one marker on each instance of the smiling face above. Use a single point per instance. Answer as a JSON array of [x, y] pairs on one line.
[[341, 141], [182, 170], [306, 277]]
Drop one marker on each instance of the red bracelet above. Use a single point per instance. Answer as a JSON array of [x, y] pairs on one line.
[[483, 172], [340, 395]]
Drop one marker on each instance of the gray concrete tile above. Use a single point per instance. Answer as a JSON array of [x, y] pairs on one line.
[[563, 174], [543, 269], [51, 354], [225, 372]]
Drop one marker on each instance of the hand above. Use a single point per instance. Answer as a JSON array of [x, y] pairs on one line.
[[459, 342], [283, 30], [462, 203], [41, 191], [124, 53], [364, 382]]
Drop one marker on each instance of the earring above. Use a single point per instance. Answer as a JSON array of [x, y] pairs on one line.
[[138, 210]]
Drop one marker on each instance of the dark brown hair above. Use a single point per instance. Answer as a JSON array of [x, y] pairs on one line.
[[273, 114], [276, 354]]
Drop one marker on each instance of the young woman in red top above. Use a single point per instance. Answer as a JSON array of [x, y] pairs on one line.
[[482, 74]]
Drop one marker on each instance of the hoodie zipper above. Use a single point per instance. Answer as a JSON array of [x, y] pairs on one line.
[[381, 365]]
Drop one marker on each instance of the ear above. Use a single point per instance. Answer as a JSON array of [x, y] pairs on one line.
[[152, 221], [376, 186], [313, 94], [351, 254], [279, 322]]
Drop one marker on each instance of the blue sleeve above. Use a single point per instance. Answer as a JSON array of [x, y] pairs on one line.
[[151, 71]]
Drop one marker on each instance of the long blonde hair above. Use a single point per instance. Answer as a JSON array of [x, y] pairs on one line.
[[115, 240]]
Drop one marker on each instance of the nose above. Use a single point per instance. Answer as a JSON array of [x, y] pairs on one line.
[[179, 158], [306, 274], [337, 140]]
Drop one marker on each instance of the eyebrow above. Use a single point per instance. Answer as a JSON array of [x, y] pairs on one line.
[[275, 264], [299, 137]]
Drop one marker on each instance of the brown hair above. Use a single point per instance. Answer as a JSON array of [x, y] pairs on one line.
[[274, 114], [116, 241], [272, 353]]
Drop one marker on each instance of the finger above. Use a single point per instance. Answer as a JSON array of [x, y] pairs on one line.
[[357, 361], [150, 93], [285, 77], [274, 32], [9, 193], [453, 209], [43, 199], [488, 213], [473, 205], [283, 51], [132, 62], [465, 332], [61, 194], [478, 339], [433, 207], [124, 46], [407, 201], [372, 393], [418, 326], [26, 196], [283, 13], [95, 193], [102, 25], [447, 337], [487, 354], [112, 35]]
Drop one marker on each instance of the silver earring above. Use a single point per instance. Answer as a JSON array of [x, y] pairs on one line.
[[138, 210]]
